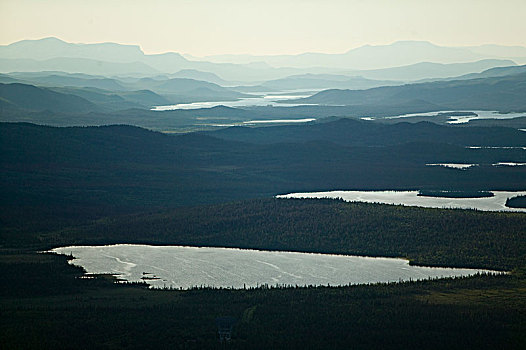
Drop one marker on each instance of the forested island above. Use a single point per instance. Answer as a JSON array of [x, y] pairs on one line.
[[516, 202], [455, 194]]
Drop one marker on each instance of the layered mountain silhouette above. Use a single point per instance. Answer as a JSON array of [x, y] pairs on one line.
[[504, 93], [116, 59], [382, 56]]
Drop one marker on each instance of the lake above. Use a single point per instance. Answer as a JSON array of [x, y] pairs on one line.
[[186, 267], [266, 100], [411, 198], [454, 165], [265, 122], [466, 118]]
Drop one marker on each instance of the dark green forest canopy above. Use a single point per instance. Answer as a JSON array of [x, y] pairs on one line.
[[439, 237], [350, 132], [124, 166]]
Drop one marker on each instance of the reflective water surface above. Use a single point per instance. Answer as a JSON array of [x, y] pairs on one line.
[[186, 267], [411, 198]]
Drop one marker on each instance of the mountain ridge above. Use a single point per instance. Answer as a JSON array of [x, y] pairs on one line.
[[249, 68]]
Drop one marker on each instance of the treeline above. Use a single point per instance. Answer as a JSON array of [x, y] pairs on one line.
[[435, 237]]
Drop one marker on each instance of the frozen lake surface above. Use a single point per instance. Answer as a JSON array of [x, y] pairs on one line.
[[186, 267], [411, 198]]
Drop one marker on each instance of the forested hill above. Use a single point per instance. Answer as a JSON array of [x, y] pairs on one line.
[[358, 132], [57, 170], [507, 93]]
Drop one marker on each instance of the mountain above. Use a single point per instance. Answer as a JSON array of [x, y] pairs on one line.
[[182, 85], [366, 57], [199, 75], [323, 81], [191, 90], [429, 70], [496, 72], [143, 92], [507, 93], [76, 65], [7, 79], [111, 59], [32, 98], [47, 48], [61, 79], [169, 62], [77, 100], [120, 100]]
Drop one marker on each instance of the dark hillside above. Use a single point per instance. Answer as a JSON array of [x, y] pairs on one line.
[[506, 93], [360, 133], [84, 172], [32, 98]]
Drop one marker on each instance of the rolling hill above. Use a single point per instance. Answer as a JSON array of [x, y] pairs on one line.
[[31, 98], [129, 167], [506, 93]]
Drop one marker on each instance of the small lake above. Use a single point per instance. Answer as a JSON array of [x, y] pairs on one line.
[[186, 267], [411, 198]]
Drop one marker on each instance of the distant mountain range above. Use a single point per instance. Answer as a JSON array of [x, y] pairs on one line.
[[111, 59], [49, 78], [32, 98], [382, 56], [367, 79], [504, 93], [502, 89], [322, 81], [429, 70], [115, 94]]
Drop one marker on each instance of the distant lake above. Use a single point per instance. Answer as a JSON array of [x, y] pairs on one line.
[[265, 121], [466, 118], [277, 121], [454, 165], [411, 198], [267, 100], [185, 267]]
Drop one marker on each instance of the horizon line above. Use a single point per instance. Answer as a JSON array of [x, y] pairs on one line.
[[256, 54]]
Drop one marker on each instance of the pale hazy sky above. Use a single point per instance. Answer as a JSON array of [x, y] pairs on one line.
[[203, 27]]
